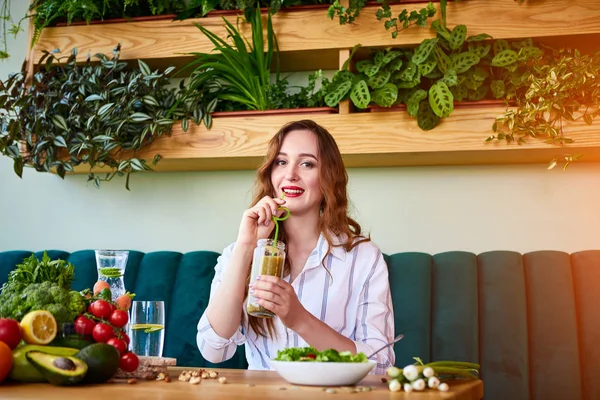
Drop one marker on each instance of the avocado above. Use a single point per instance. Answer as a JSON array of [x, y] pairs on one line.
[[58, 370], [102, 360], [24, 371]]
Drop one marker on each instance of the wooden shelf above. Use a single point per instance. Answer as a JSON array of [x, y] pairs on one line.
[[365, 140], [312, 41]]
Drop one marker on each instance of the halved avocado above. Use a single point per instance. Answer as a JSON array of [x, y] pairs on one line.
[[102, 360], [58, 370]]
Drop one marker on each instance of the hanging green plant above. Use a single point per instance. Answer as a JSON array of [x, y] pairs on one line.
[[559, 86], [97, 112]]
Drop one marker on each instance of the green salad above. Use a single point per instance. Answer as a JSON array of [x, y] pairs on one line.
[[311, 354]]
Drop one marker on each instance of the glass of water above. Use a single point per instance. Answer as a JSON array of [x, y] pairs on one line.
[[147, 329]]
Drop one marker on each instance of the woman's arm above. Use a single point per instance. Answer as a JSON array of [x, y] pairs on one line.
[[224, 311]]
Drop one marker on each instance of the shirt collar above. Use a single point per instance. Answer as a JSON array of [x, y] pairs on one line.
[[322, 248]]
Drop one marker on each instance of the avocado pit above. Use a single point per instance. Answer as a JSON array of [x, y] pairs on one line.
[[64, 364]]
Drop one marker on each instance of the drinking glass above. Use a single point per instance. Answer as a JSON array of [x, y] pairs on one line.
[[147, 329]]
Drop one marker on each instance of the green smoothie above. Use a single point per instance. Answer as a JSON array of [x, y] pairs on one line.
[[272, 266]]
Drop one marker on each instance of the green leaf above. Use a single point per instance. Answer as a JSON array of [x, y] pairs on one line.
[[360, 95], [459, 92], [426, 118], [440, 29], [139, 117], [59, 141], [389, 57], [426, 67], [480, 49], [457, 37], [498, 89], [504, 58], [442, 59], [500, 45], [479, 38], [150, 100], [18, 166], [414, 100], [363, 64], [371, 70], [395, 65], [59, 122], [105, 108], [337, 93], [380, 79], [385, 96], [94, 97], [409, 71], [529, 53], [441, 99], [423, 51], [144, 68], [450, 78], [463, 61]]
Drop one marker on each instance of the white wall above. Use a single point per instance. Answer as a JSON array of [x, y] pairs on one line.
[[429, 209]]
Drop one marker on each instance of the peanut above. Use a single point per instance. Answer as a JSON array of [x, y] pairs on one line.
[[222, 380], [195, 380]]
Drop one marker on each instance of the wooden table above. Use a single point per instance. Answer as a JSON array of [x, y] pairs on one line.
[[241, 384]]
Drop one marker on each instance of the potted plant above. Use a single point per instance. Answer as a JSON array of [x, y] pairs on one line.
[[429, 79], [560, 86], [239, 75], [99, 112]]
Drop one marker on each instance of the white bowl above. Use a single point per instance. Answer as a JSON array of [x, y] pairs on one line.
[[315, 373]]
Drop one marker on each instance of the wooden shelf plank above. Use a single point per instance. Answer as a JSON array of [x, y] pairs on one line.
[[309, 33], [365, 140]]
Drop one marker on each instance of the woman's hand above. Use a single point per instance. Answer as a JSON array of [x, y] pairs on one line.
[[257, 222], [279, 297]]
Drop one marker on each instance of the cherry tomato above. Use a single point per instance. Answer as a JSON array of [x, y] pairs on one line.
[[100, 308], [84, 326], [102, 333], [118, 344], [119, 318], [112, 306], [123, 336], [129, 362]]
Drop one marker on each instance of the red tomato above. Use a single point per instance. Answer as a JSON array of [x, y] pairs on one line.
[[122, 335], [6, 360], [10, 332], [129, 362], [84, 326], [118, 344], [119, 318], [102, 333], [100, 308], [112, 306]]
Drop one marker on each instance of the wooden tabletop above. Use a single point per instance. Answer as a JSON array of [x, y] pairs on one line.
[[241, 384]]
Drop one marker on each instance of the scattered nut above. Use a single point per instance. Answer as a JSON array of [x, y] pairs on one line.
[[204, 375], [222, 380], [195, 380], [384, 379], [131, 381], [213, 374], [330, 391], [161, 377], [167, 379], [184, 377], [195, 374]]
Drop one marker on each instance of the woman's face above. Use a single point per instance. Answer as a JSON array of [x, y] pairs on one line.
[[296, 172]]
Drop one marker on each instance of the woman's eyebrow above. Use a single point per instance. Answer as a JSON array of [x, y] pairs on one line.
[[301, 155]]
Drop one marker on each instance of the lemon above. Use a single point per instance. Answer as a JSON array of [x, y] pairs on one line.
[[39, 327], [148, 328]]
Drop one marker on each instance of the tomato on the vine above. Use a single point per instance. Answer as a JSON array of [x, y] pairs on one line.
[[129, 362], [102, 333], [123, 336], [84, 326], [100, 309], [119, 318], [118, 344]]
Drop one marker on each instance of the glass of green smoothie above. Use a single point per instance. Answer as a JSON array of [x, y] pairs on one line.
[[269, 259]]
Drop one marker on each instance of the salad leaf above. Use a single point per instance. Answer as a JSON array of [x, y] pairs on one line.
[[312, 354]]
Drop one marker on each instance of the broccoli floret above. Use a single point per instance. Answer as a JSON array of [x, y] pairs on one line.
[[75, 304], [37, 295], [59, 295], [60, 312]]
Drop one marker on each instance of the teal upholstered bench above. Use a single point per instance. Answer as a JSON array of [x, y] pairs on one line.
[[529, 320]]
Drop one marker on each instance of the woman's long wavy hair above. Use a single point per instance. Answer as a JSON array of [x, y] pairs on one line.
[[333, 179]]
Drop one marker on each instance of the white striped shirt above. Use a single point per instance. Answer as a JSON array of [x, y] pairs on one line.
[[356, 303]]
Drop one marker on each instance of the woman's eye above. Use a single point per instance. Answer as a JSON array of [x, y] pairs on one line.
[[307, 164], [280, 162]]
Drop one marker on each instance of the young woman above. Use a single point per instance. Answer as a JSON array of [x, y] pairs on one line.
[[335, 291]]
